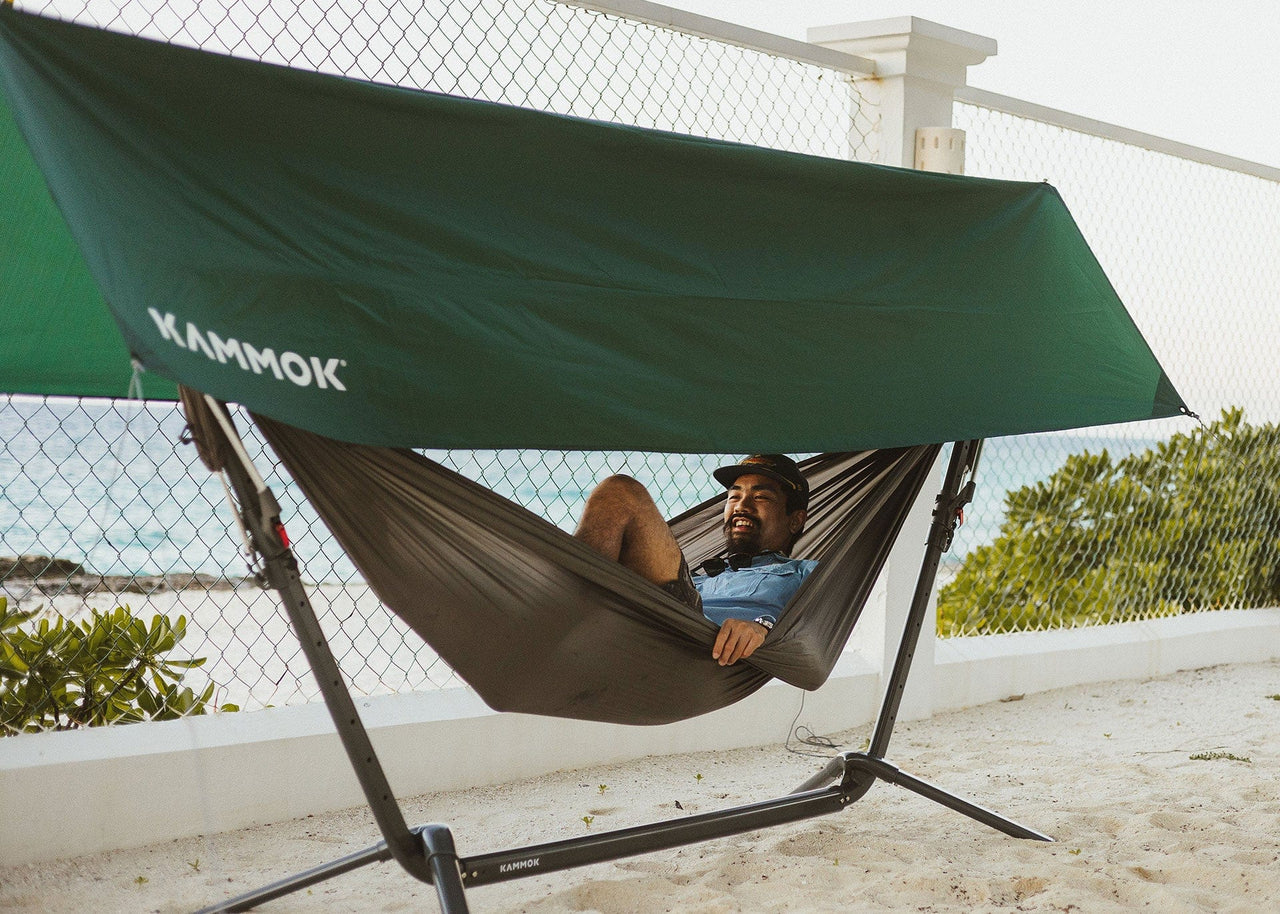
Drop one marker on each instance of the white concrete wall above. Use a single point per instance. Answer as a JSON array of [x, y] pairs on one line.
[[974, 671], [85, 792]]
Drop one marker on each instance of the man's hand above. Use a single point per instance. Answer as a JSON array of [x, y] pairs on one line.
[[737, 640]]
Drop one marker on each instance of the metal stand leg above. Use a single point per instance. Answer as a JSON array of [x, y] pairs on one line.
[[378, 853], [426, 858], [446, 871], [859, 770], [879, 768]]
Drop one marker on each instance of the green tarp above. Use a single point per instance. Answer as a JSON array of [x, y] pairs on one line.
[[394, 267], [56, 335]]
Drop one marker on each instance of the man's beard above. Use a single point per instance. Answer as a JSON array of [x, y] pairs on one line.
[[745, 541]]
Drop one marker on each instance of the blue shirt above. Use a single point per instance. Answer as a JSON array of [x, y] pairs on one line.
[[762, 588]]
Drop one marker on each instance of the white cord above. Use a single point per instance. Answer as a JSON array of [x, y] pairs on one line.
[[225, 421], [249, 552]]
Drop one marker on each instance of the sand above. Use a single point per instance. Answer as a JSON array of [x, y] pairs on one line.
[[1107, 769]]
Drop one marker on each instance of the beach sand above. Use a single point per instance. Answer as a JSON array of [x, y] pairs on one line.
[[1107, 769]]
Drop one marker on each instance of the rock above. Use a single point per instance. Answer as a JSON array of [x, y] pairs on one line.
[[53, 576], [30, 567]]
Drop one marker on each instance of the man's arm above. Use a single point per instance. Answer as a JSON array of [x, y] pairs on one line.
[[738, 640]]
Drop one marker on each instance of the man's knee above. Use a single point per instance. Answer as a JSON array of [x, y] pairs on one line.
[[620, 489], [622, 522]]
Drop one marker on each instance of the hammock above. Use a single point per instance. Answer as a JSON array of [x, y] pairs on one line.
[[537, 622]]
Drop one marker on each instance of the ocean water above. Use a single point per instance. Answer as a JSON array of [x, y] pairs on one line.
[[111, 484]]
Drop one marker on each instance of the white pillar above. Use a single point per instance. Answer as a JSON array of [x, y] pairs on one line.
[[919, 65]]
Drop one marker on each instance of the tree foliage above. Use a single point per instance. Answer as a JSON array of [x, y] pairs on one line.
[[1191, 524], [58, 674]]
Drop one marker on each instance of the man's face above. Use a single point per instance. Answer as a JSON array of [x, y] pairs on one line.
[[756, 518]]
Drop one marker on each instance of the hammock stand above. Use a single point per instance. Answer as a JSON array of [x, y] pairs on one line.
[[428, 851]]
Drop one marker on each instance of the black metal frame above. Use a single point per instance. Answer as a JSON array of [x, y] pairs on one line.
[[427, 851]]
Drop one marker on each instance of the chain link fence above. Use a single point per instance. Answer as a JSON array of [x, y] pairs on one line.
[[1161, 517], [538, 54], [102, 505]]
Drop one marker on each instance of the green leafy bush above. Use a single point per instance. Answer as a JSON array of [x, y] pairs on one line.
[[57, 674], [1191, 524]]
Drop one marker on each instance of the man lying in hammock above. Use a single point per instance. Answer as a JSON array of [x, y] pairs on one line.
[[746, 595]]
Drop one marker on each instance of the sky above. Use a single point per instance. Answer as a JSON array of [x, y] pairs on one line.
[[1201, 72]]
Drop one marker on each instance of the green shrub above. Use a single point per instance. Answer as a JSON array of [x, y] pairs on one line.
[[1191, 524], [57, 674]]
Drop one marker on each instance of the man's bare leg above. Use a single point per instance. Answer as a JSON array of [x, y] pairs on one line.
[[622, 522]]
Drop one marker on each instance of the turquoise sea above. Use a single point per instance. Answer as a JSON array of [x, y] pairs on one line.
[[110, 484]]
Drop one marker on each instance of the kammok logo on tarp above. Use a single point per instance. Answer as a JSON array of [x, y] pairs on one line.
[[304, 371]]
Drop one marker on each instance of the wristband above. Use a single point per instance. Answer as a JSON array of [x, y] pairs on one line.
[[765, 621]]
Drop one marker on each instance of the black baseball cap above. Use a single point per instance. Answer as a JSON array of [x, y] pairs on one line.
[[776, 466]]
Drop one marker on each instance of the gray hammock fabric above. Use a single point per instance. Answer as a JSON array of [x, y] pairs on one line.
[[537, 622]]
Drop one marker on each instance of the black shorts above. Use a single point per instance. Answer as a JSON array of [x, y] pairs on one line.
[[682, 587]]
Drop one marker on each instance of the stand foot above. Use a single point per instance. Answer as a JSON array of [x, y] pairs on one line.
[[378, 853], [860, 763], [441, 855]]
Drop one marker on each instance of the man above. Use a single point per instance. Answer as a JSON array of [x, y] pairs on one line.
[[746, 595]]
